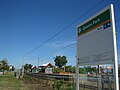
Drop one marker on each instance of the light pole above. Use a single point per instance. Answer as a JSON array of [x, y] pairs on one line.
[[23, 67]]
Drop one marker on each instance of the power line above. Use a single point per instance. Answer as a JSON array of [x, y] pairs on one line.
[[81, 39], [60, 48], [74, 43], [45, 54], [64, 28]]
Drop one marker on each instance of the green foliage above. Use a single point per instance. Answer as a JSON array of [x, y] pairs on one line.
[[57, 70], [81, 70], [27, 67], [58, 84], [69, 86], [70, 69], [4, 65], [62, 85], [60, 61], [4, 62], [91, 69], [73, 69], [87, 69]]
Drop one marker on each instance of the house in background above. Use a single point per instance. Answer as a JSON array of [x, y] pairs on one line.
[[34, 69], [46, 68]]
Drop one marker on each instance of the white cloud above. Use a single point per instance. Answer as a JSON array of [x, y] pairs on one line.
[[58, 44], [60, 47]]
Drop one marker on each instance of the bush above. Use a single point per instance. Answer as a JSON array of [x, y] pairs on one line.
[[58, 84], [57, 70], [62, 85]]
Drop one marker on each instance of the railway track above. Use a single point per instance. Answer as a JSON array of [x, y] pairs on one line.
[[68, 78], [51, 76]]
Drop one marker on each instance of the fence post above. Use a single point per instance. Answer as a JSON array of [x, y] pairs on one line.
[[99, 83], [73, 82], [110, 83]]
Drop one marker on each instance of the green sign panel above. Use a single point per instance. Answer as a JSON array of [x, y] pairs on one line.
[[94, 23]]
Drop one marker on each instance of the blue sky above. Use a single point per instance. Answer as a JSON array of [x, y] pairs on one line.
[[25, 24]]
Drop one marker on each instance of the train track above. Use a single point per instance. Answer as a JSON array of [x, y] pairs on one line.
[[51, 76], [65, 78]]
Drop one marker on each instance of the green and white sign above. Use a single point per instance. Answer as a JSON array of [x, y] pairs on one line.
[[94, 23], [95, 40], [96, 43]]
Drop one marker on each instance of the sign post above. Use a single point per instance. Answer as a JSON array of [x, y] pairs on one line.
[[77, 74], [96, 42], [115, 70]]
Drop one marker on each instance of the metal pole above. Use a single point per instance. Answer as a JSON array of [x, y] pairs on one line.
[[115, 65], [73, 82], [77, 74], [23, 68], [64, 68], [85, 72], [98, 69], [38, 61]]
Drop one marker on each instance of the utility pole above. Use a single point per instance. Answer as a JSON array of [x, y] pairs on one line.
[[38, 60], [41, 62], [23, 68]]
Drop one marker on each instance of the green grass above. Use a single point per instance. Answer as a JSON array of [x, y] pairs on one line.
[[9, 82]]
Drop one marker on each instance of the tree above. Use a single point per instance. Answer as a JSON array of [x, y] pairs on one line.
[[27, 67], [68, 68], [58, 70], [4, 65], [60, 61]]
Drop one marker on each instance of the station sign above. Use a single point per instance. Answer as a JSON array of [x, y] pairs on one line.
[[95, 43]]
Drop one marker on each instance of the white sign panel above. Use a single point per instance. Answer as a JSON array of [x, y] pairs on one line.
[[96, 43], [95, 40]]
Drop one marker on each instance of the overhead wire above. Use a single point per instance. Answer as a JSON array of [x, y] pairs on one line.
[[90, 35], [56, 35], [73, 43], [49, 53], [58, 49], [63, 29], [66, 46]]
